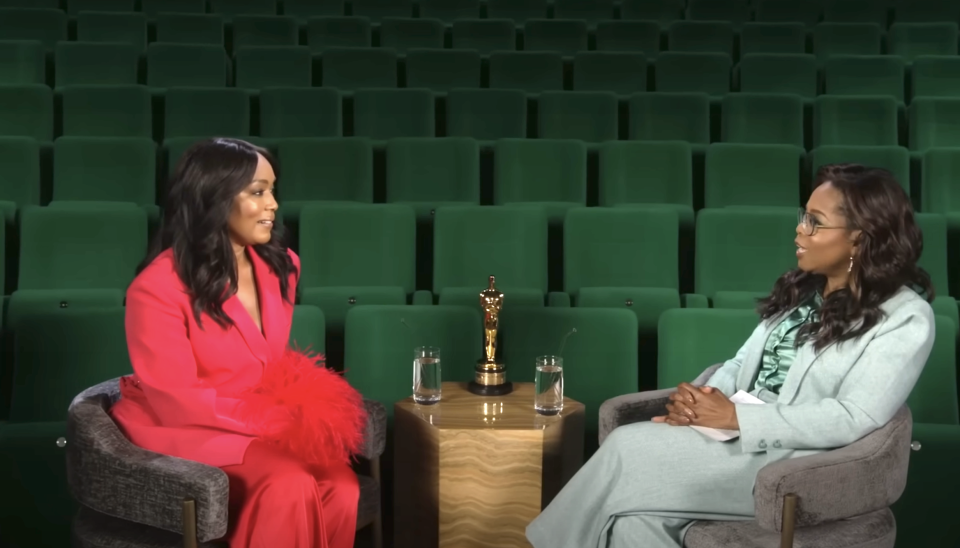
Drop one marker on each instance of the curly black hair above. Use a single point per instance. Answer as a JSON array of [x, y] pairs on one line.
[[889, 246], [209, 175]]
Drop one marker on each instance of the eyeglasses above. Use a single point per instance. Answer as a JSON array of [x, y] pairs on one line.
[[810, 224]]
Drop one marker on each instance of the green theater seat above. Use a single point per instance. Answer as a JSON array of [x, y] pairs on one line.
[[486, 114], [427, 174], [623, 258], [855, 120], [794, 74], [199, 112], [113, 27], [691, 340], [107, 111], [865, 75], [402, 34], [529, 71], [441, 70], [48, 26], [181, 65], [589, 116], [355, 255], [377, 10], [383, 114], [264, 30], [912, 40], [380, 341], [549, 173], [318, 170], [105, 169], [450, 11], [935, 76], [472, 243], [92, 63], [623, 73], [741, 252], [190, 28], [658, 174], [753, 175], [566, 37], [260, 67], [337, 31], [599, 360], [756, 118], [349, 69], [299, 112], [484, 35]]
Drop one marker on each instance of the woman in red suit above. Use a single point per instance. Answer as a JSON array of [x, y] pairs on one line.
[[207, 322]]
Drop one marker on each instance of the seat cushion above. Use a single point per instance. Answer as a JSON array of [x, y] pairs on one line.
[[874, 530]]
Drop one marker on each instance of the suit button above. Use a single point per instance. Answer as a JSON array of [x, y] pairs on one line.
[[777, 444], [762, 444]]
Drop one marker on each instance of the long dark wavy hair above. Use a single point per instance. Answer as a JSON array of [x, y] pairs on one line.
[[889, 245], [209, 175]]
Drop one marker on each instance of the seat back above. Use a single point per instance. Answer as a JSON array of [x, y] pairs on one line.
[[380, 340], [102, 465], [873, 468]]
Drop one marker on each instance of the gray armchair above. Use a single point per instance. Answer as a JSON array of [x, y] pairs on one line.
[[133, 498], [838, 498]]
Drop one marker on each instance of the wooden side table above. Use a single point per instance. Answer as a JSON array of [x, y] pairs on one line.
[[474, 471]]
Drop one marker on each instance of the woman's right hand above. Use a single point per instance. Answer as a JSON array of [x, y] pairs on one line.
[[679, 413]]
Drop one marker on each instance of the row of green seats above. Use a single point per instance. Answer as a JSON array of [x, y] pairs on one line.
[[594, 11], [362, 254], [258, 68], [600, 362], [485, 115], [431, 172], [566, 37]]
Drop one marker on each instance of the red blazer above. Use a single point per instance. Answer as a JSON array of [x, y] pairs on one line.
[[180, 400]]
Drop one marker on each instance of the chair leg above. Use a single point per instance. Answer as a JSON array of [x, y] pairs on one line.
[[377, 521], [789, 520], [189, 523]]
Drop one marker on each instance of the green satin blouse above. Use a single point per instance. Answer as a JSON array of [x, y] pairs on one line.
[[781, 348]]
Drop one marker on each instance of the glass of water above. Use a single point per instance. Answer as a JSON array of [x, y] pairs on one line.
[[548, 382], [426, 375]]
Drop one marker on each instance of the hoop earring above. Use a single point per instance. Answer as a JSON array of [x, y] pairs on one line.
[[850, 268]]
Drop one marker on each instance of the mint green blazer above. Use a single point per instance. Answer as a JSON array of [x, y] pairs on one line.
[[836, 396]]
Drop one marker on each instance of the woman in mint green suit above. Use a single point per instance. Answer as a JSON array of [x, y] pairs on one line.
[[842, 341]]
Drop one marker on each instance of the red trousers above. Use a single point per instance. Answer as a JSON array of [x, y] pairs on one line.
[[277, 501]]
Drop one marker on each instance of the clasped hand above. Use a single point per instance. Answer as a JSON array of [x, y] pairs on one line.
[[700, 406]]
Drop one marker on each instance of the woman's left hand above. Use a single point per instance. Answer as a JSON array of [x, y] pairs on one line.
[[714, 410]]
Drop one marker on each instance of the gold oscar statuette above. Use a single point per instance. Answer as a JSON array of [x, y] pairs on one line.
[[490, 377]]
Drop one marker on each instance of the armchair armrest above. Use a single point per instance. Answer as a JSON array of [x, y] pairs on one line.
[[112, 476], [375, 434], [868, 475], [641, 406], [631, 408]]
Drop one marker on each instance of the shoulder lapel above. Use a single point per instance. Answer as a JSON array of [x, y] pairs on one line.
[[241, 318], [271, 306], [806, 356]]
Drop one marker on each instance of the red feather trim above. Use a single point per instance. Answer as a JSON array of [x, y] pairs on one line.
[[306, 409]]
